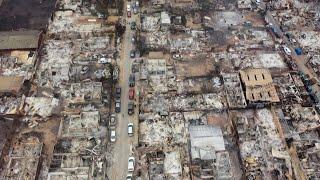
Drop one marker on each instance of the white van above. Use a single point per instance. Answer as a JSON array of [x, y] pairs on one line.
[[130, 129], [113, 136], [131, 164]]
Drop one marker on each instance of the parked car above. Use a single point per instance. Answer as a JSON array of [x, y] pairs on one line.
[[129, 176], [118, 106], [132, 54], [130, 129], [129, 14], [137, 3], [104, 60], [84, 70], [132, 80], [177, 56], [133, 25], [137, 53], [131, 162], [131, 93], [118, 93], [113, 136], [286, 50], [135, 10], [112, 121], [130, 108], [128, 7]]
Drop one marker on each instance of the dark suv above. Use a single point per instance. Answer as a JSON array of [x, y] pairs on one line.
[[132, 80], [118, 93], [130, 108]]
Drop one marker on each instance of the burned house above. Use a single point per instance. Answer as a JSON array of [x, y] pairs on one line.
[[235, 96], [19, 40], [209, 157], [25, 159]]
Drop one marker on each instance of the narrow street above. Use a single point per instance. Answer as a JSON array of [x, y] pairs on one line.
[[122, 148]]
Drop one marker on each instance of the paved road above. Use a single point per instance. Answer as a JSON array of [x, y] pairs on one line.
[[122, 148]]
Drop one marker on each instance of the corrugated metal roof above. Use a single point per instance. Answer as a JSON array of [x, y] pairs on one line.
[[205, 141], [19, 39]]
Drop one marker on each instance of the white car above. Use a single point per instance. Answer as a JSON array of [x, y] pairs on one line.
[[286, 50], [129, 176], [131, 164], [128, 7], [137, 3], [104, 60], [113, 136], [177, 56], [130, 129], [84, 70]]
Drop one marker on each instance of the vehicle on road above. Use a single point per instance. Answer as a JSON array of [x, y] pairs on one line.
[[286, 50], [131, 162], [112, 121], [113, 136], [291, 37], [137, 53], [135, 10], [131, 93], [130, 108], [130, 129], [128, 7], [118, 106], [133, 39], [118, 92], [137, 3], [132, 54], [133, 25], [129, 14], [132, 80], [129, 176]]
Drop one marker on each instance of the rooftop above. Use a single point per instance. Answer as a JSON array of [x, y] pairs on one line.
[[205, 141], [255, 77], [10, 40], [11, 84]]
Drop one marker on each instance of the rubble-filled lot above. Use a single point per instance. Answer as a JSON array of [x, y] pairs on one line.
[[233, 80], [222, 90], [57, 97]]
